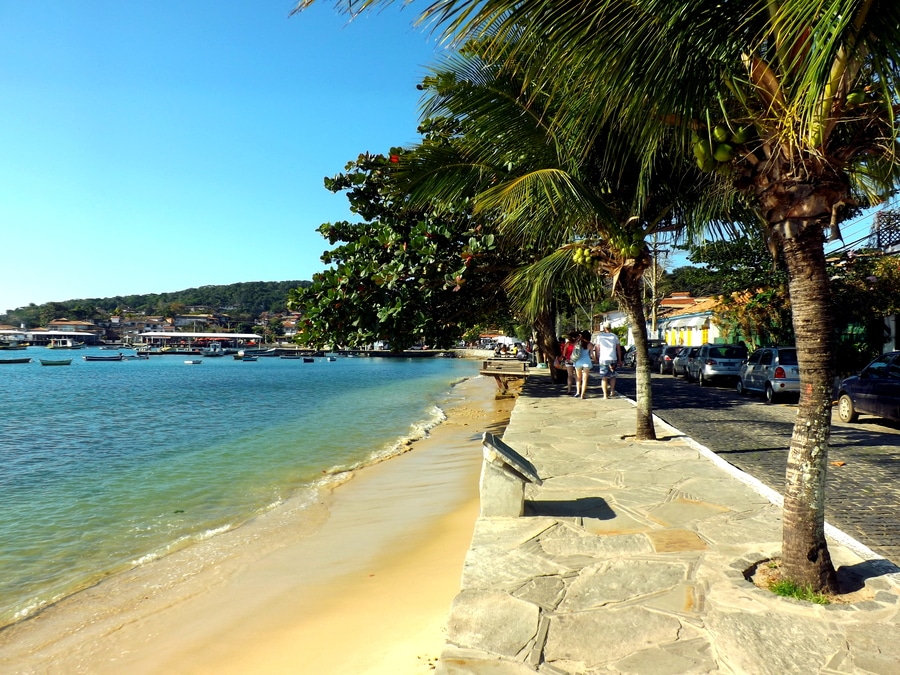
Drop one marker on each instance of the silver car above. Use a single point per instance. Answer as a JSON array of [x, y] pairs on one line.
[[716, 362], [682, 360], [771, 371]]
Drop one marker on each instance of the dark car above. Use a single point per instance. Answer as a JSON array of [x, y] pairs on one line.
[[682, 360], [771, 371], [654, 347], [875, 391], [663, 361], [716, 361]]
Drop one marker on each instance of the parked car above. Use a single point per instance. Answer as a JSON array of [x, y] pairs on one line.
[[682, 360], [663, 361], [715, 361], [771, 371], [875, 391], [654, 347]]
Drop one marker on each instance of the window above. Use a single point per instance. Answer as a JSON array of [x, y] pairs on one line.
[[766, 359], [787, 357]]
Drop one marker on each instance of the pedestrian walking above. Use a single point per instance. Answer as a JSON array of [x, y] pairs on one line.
[[609, 356], [583, 357]]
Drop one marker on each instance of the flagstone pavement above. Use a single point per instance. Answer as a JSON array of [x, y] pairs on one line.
[[634, 557]]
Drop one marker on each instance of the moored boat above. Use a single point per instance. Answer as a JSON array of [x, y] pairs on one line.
[[10, 345], [214, 349], [193, 362], [55, 362], [308, 359], [102, 357], [293, 357], [24, 360], [246, 357], [64, 343]]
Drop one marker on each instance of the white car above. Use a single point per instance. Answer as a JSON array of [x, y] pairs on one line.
[[771, 371], [715, 361]]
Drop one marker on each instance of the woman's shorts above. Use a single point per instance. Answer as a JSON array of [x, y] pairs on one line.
[[607, 369]]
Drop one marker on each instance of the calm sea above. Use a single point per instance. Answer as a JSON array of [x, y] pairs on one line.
[[108, 465]]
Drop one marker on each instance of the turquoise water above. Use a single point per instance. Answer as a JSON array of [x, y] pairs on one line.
[[107, 465]]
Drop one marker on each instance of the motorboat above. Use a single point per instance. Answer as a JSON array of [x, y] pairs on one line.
[[214, 349], [193, 362], [65, 343], [308, 359]]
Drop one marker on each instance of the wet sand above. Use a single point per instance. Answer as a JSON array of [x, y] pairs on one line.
[[359, 582]]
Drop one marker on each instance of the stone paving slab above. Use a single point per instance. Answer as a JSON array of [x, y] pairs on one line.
[[631, 558]]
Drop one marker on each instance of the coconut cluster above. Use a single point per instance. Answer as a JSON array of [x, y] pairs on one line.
[[715, 151], [581, 255]]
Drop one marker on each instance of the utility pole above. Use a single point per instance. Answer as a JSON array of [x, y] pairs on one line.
[[654, 282]]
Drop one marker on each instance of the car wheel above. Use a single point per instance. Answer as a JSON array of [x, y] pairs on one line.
[[770, 393], [662, 369], [702, 380], [740, 387], [674, 372], [846, 411]]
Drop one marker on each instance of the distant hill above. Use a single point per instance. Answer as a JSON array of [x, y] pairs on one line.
[[245, 299]]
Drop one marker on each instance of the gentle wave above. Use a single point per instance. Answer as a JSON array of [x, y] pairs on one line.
[[159, 458]]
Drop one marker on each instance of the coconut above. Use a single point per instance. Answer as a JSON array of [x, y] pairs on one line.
[[720, 133], [723, 152], [741, 136], [702, 149]]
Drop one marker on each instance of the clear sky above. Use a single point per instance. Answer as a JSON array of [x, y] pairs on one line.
[[156, 146]]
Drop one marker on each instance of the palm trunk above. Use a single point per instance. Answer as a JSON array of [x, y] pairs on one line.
[[628, 292], [805, 556], [547, 342]]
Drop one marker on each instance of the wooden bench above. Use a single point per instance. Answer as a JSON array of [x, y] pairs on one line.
[[504, 371], [504, 473]]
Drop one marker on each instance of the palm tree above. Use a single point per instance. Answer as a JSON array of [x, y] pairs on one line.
[[578, 212], [801, 94]]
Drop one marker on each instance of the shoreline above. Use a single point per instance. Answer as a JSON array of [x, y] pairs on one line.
[[248, 600]]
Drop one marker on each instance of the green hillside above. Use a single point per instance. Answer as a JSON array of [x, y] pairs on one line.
[[242, 300]]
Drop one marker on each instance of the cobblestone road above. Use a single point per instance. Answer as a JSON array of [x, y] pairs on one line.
[[863, 489]]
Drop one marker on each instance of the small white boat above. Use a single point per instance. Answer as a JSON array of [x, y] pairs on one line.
[[193, 362], [214, 349], [64, 343], [330, 358]]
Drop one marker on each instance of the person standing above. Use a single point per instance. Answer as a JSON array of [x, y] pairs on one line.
[[583, 355], [609, 356]]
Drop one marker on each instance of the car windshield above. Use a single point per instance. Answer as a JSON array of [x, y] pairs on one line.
[[787, 357], [728, 352]]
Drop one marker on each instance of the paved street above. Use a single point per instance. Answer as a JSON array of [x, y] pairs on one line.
[[863, 493]]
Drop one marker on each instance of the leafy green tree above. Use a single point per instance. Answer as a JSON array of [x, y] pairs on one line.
[[866, 287], [403, 274]]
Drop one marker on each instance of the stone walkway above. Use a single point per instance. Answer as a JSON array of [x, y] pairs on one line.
[[631, 558]]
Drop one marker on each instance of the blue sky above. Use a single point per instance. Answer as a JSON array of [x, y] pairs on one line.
[[151, 147]]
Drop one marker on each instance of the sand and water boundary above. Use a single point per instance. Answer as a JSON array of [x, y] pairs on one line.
[[358, 582]]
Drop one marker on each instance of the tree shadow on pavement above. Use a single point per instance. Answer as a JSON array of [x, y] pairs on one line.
[[853, 577]]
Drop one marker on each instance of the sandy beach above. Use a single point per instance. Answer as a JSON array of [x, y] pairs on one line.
[[359, 582]]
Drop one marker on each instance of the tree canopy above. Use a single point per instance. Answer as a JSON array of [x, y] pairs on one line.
[[403, 273]]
